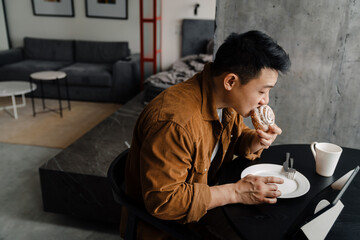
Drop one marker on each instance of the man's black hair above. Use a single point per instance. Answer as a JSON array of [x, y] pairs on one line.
[[246, 54]]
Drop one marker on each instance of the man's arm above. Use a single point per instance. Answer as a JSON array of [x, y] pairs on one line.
[[251, 142], [165, 165], [249, 190]]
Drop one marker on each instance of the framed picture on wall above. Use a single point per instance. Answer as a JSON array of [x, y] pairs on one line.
[[53, 8], [116, 9]]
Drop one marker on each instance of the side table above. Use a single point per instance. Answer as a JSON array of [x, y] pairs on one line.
[[12, 88], [50, 76]]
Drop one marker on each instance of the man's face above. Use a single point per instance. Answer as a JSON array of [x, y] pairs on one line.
[[244, 98]]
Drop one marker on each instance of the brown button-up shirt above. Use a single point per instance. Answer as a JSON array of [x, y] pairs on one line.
[[169, 167]]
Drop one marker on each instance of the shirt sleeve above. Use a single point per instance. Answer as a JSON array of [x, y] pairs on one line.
[[165, 165], [243, 145]]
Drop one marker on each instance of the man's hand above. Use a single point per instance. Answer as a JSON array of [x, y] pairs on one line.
[[248, 190], [256, 189], [265, 139]]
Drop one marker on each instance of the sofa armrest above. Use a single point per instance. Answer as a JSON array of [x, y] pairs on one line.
[[11, 56], [126, 78]]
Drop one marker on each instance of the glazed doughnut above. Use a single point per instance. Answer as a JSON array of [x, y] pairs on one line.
[[263, 117]]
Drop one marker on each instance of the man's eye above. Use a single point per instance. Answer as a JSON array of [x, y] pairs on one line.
[[262, 92]]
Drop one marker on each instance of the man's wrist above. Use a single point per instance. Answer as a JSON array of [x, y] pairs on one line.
[[222, 195], [255, 144]]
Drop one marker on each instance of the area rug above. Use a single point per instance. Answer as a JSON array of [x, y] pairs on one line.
[[48, 129]]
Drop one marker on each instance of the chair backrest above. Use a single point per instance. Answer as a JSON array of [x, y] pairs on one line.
[[116, 175]]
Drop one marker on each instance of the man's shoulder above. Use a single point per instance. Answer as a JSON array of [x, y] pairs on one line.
[[181, 102]]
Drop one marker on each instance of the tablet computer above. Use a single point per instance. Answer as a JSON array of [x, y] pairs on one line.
[[324, 200]]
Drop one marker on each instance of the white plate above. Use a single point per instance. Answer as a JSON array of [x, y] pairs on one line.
[[290, 188]]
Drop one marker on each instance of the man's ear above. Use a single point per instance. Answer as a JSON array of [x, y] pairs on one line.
[[230, 80]]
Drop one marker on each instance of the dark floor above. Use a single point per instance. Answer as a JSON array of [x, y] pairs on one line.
[[21, 213]]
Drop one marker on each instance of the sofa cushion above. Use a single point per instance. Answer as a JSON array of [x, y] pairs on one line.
[[100, 52], [10, 56], [22, 70], [49, 49], [89, 74]]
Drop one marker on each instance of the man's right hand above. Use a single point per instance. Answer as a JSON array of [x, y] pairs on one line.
[[257, 189]]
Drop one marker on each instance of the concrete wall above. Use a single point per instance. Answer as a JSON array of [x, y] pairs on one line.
[[319, 99], [22, 22]]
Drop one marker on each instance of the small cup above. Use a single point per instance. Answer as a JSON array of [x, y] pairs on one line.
[[326, 157]]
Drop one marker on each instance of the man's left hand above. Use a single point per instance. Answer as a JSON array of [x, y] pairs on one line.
[[265, 139]]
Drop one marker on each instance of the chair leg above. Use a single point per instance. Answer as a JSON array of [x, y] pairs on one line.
[[131, 225]]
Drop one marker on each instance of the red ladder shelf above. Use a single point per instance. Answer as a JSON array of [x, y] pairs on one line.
[[150, 31]]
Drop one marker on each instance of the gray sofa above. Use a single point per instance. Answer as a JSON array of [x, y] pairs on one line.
[[96, 71]]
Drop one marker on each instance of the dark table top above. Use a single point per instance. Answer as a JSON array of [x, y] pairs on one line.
[[93, 153], [267, 221]]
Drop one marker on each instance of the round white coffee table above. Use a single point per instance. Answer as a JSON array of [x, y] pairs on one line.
[[50, 76], [13, 88]]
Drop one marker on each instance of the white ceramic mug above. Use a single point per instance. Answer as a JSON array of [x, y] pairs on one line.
[[326, 157]]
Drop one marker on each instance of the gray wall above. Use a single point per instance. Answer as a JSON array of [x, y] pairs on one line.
[[319, 100]]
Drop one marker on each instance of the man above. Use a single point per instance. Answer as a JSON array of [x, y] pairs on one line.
[[188, 132]]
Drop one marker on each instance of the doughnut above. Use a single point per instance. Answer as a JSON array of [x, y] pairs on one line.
[[263, 117]]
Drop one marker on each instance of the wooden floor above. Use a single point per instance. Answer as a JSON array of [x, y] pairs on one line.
[[49, 129]]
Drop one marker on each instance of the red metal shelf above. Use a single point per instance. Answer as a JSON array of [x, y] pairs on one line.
[[155, 51]]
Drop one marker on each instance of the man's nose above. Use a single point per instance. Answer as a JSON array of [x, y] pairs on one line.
[[265, 100]]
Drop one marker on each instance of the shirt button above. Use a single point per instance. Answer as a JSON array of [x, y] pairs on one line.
[[205, 169]]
